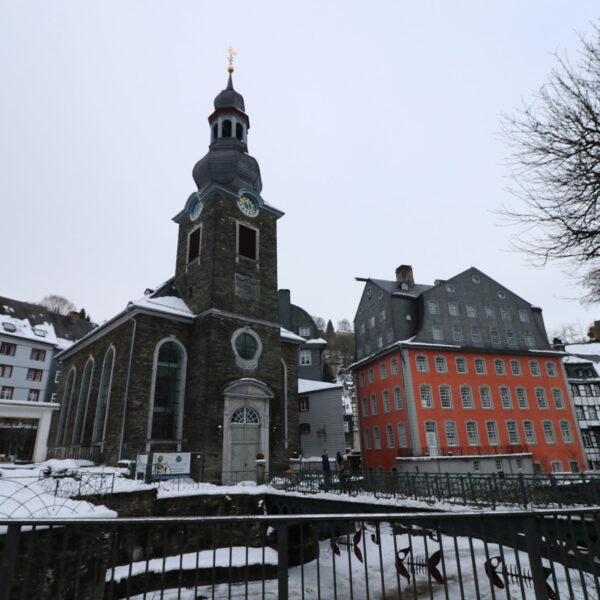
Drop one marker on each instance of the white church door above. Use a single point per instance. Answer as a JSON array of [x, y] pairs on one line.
[[246, 419], [245, 443]]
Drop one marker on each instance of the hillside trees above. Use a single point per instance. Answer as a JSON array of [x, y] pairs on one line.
[[57, 304]]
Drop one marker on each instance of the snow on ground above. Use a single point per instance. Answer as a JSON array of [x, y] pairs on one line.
[[14, 501], [378, 578], [205, 559], [22, 496]]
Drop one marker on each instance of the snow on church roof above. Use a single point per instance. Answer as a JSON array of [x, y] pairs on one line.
[[167, 304]]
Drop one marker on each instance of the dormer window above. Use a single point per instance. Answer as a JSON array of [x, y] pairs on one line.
[[39, 331], [9, 327]]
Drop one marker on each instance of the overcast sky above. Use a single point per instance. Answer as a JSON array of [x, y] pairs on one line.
[[375, 125]]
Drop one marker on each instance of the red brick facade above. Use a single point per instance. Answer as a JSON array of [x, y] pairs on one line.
[[484, 403]]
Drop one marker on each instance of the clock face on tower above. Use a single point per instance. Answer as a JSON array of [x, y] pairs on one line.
[[248, 205], [196, 209]]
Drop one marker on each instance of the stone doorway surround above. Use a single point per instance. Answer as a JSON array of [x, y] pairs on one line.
[[253, 394]]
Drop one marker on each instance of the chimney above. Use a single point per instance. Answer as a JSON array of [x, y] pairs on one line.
[[404, 274], [74, 314], [284, 302]]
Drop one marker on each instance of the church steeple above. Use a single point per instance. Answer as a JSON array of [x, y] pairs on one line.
[[229, 123], [228, 162]]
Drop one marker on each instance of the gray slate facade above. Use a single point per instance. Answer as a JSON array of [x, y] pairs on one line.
[[298, 321], [446, 313], [321, 419]]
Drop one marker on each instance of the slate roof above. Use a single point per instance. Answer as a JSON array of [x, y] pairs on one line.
[[228, 162], [61, 330], [392, 287], [229, 98]]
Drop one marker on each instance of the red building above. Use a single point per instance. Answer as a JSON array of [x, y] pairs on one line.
[[461, 368]]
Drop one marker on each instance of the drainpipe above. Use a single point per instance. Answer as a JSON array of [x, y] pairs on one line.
[[127, 388]]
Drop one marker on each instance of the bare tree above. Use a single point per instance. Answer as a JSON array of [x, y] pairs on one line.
[[319, 322], [570, 333], [345, 326], [555, 142], [58, 304]]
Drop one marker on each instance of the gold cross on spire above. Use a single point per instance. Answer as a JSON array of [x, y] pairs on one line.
[[231, 53]]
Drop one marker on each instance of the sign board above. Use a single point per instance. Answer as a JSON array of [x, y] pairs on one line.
[[166, 465]]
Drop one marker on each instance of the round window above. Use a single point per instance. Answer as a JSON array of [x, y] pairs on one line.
[[501, 295], [475, 279], [450, 289], [246, 346]]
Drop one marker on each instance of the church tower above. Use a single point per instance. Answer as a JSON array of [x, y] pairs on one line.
[[227, 246], [226, 271], [213, 375]]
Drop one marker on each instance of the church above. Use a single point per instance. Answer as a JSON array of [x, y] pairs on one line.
[[200, 363]]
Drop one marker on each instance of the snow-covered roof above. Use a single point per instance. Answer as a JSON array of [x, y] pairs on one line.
[[166, 304], [308, 385], [592, 348], [319, 341], [34, 322], [576, 360], [289, 335]]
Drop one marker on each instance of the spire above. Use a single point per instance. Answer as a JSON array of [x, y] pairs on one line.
[[228, 162], [229, 98], [231, 53]]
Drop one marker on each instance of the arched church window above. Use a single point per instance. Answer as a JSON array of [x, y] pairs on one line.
[[66, 405], [168, 390], [226, 128], [245, 416], [215, 131], [82, 405], [103, 396], [239, 131]]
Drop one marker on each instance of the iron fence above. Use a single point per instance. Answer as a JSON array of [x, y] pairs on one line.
[[68, 483], [515, 555], [539, 490], [91, 453]]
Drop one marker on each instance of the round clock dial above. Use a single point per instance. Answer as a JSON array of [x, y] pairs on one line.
[[196, 209], [248, 206]]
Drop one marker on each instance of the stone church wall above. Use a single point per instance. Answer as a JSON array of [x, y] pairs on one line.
[[210, 281]]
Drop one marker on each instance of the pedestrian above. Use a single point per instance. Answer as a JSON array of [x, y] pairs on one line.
[[346, 475], [339, 458], [326, 469]]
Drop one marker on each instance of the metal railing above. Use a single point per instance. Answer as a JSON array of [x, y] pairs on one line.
[[68, 483], [91, 453], [516, 555], [539, 490]]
